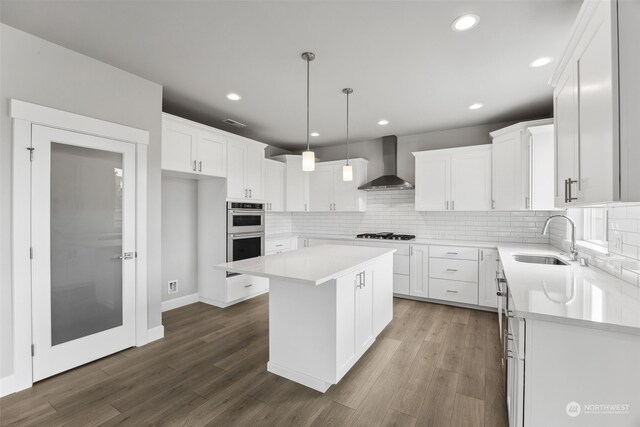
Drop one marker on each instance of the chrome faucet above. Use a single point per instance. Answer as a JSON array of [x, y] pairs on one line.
[[572, 247]]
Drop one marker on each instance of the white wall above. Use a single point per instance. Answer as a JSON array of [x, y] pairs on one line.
[[37, 71], [179, 236]]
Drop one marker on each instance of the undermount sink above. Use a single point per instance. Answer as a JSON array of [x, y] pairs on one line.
[[540, 259]]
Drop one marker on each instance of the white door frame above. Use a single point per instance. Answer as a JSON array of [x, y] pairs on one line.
[[25, 115]]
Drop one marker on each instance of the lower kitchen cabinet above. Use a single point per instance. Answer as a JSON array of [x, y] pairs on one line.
[[560, 375], [419, 278], [487, 274], [280, 244]]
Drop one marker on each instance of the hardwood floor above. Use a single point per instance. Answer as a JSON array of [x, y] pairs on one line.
[[434, 365]]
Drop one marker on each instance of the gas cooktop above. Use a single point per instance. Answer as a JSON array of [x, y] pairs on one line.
[[386, 236]]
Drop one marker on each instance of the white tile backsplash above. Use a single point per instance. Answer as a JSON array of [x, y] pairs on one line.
[[623, 257], [395, 211]]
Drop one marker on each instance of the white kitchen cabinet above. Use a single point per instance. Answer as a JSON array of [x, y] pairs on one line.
[[328, 192], [276, 245], [515, 169], [433, 182], [192, 148], [307, 242], [245, 163], [454, 179], [487, 271], [363, 286], [274, 185], [453, 274], [419, 265], [401, 262], [296, 183], [321, 188], [596, 107]]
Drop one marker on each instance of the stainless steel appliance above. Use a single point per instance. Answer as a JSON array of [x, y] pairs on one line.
[[386, 235], [245, 231], [245, 217]]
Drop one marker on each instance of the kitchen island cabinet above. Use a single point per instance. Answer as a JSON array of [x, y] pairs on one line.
[[327, 305]]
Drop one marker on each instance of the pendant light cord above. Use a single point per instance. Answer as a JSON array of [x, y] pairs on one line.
[[347, 128], [308, 104]]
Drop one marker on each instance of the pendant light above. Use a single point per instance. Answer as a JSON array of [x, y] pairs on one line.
[[308, 158], [347, 170]]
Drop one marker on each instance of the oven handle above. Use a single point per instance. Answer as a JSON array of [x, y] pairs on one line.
[[246, 212], [246, 235]]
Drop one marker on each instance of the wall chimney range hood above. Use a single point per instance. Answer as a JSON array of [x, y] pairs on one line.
[[390, 179]]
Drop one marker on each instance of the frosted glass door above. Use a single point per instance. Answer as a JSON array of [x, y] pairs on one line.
[[84, 248]]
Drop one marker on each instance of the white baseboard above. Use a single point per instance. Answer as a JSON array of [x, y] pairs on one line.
[[298, 377], [7, 385], [180, 302], [154, 334], [223, 304]]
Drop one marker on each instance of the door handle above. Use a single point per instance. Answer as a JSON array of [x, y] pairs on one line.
[[446, 205], [194, 165], [200, 166], [246, 193], [449, 291], [453, 270], [127, 255], [248, 286], [453, 204], [250, 194]]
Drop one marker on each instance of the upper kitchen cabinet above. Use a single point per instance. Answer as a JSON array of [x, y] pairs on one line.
[[454, 179], [245, 163], [596, 105], [192, 148], [522, 166], [328, 192], [296, 183], [274, 185]]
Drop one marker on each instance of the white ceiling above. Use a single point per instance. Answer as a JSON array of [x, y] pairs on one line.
[[401, 58]]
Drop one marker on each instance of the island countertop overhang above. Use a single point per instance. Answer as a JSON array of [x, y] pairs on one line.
[[313, 266]]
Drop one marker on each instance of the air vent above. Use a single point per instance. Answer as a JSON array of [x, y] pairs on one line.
[[234, 123]]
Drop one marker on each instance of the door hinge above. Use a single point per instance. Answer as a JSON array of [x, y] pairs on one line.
[[31, 150], [30, 253], [33, 350]]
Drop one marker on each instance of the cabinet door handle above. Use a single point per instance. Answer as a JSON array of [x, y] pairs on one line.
[[246, 193], [453, 270], [493, 204], [453, 205], [250, 196], [194, 165], [449, 291], [446, 205], [248, 286], [452, 253], [481, 255], [363, 282], [526, 202], [200, 166], [410, 250], [305, 207]]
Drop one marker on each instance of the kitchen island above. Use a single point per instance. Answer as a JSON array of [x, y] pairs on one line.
[[327, 305]]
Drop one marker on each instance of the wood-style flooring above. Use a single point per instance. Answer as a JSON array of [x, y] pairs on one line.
[[433, 365]]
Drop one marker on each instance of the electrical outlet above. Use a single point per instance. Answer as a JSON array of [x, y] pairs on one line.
[[173, 287]]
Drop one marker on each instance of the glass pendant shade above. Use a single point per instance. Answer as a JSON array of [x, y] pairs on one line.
[[347, 173], [308, 161]]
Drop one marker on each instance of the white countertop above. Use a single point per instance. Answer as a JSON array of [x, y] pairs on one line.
[[314, 265], [434, 242], [581, 296]]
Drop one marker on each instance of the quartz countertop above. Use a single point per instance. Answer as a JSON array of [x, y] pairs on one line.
[[314, 265], [435, 242], [572, 294]]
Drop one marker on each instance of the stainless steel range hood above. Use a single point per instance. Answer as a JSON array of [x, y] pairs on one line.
[[389, 181]]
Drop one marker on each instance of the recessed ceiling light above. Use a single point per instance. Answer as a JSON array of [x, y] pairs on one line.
[[541, 62], [475, 106], [383, 122], [234, 97], [314, 134], [465, 22]]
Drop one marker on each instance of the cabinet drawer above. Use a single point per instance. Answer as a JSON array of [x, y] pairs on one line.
[[453, 252], [277, 245], [452, 290], [453, 269], [400, 264], [401, 248], [401, 284], [243, 286]]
